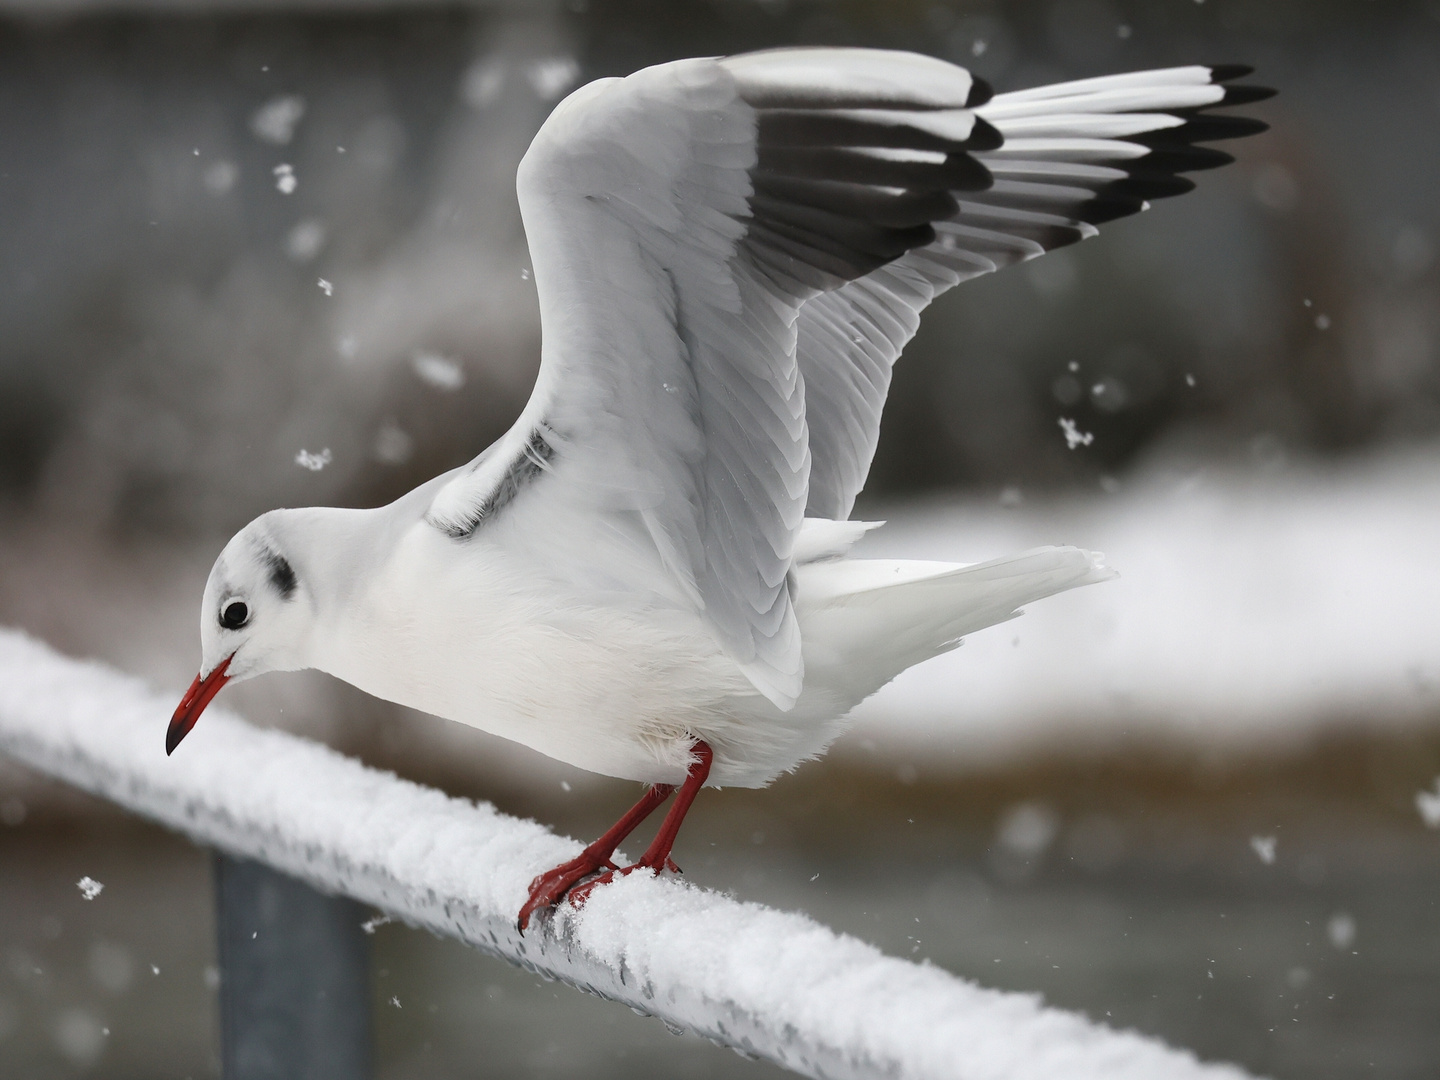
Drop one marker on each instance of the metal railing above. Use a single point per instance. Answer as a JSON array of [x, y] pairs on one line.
[[768, 983]]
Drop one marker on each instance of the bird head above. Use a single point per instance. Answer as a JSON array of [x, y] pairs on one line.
[[255, 617]]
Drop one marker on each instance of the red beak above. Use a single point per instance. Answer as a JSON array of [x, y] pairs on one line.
[[194, 702]]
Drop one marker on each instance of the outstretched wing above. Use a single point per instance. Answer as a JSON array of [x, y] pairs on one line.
[[678, 220], [729, 256], [1073, 155]]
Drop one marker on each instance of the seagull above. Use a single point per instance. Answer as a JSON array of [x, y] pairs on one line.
[[649, 575]]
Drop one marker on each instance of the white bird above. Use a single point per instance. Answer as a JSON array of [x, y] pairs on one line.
[[647, 575]]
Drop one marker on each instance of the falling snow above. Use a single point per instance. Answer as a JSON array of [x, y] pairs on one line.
[[1073, 435], [89, 887], [552, 76], [285, 181], [219, 177], [1341, 930], [438, 371], [304, 241], [393, 445], [482, 82], [1027, 829], [373, 924], [1264, 846], [325, 287], [1428, 803], [275, 121], [314, 462]]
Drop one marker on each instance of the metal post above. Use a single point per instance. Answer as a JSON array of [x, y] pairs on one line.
[[294, 978]]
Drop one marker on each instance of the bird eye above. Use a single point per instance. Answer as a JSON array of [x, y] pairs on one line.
[[234, 615]]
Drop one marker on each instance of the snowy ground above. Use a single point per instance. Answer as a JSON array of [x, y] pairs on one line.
[[1254, 608]]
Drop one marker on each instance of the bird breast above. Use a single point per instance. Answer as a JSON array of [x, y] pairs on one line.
[[466, 632]]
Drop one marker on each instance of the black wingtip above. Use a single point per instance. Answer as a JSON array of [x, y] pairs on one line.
[[1180, 158], [1202, 128], [1245, 95], [984, 136], [1106, 207], [965, 173], [980, 93], [1143, 187], [1225, 72]]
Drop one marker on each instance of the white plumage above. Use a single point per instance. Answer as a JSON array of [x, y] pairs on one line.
[[730, 254]]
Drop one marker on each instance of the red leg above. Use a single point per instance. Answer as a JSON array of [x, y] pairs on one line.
[[548, 889], [657, 856]]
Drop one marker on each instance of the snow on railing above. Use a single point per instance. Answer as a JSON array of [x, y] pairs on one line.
[[773, 984]]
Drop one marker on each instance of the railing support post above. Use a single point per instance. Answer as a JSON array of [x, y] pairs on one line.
[[294, 978]]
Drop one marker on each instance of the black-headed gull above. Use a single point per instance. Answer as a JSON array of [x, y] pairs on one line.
[[647, 576]]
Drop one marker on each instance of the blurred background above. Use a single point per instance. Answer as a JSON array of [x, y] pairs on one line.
[[261, 253]]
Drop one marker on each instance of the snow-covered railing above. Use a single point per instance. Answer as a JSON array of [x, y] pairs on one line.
[[769, 983]]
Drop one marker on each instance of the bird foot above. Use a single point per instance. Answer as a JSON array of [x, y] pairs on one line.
[[549, 888], [580, 893]]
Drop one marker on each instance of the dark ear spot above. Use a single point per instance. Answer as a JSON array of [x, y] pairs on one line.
[[282, 574]]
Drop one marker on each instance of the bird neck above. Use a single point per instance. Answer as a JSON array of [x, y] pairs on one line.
[[332, 551]]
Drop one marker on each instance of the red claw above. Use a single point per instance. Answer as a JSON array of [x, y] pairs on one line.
[[551, 887]]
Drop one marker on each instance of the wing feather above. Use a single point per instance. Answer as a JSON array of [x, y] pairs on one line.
[[729, 256], [1073, 155]]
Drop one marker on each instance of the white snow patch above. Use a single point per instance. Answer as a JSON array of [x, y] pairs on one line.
[[89, 887], [774, 984], [1251, 611]]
